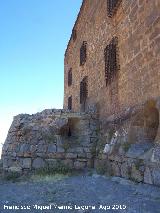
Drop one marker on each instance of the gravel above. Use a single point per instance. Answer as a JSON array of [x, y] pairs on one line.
[[77, 193]]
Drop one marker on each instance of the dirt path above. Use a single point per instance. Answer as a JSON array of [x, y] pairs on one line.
[[95, 191]]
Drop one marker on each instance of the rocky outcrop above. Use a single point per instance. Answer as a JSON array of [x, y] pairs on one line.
[[130, 144], [44, 139]]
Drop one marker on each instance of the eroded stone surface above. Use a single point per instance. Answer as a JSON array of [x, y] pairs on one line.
[[137, 150], [80, 141], [148, 176], [38, 163], [40, 140]]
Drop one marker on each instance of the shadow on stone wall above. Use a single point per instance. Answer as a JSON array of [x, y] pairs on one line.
[[144, 124], [125, 145], [129, 144], [46, 138]]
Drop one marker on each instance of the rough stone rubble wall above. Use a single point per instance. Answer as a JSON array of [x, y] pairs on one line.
[[127, 145], [44, 139]]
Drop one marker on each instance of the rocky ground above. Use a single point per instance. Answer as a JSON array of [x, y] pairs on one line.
[[97, 193]]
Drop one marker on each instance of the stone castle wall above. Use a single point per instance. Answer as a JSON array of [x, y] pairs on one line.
[[123, 137], [48, 138], [136, 24], [127, 145]]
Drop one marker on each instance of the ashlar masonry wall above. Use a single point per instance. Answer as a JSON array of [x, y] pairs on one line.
[[136, 24]]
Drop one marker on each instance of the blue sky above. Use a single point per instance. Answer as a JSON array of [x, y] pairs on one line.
[[33, 38]]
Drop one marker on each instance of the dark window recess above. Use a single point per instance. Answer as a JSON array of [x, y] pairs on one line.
[[83, 53], [111, 60], [74, 34], [70, 77], [112, 6], [83, 89], [70, 103]]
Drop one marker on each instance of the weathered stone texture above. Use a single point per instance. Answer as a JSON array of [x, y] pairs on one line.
[[42, 140], [137, 26], [119, 134]]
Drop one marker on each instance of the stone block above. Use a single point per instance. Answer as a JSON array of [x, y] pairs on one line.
[[28, 155], [88, 155], [7, 162], [24, 148], [26, 163], [41, 148], [68, 163], [75, 150], [33, 148], [156, 154], [82, 155], [147, 156], [148, 176], [125, 170], [116, 169], [61, 122], [13, 154], [156, 176], [38, 163], [52, 148], [82, 159], [121, 151], [56, 155], [138, 150], [86, 149], [52, 163], [15, 169], [71, 155], [78, 149], [79, 165], [60, 149]]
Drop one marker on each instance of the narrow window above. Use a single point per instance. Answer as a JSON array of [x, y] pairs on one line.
[[111, 60], [70, 103], [74, 34], [83, 90], [83, 53], [112, 6], [70, 77]]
